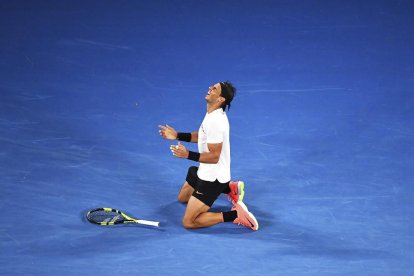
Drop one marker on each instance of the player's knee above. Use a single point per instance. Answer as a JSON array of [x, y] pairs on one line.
[[182, 198], [188, 224]]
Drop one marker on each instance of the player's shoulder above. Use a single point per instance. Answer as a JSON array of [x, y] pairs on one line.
[[219, 121]]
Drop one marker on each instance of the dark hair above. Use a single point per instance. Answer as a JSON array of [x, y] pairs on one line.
[[228, 91]]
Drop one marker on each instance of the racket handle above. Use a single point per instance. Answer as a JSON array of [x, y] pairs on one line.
[[148, 222]]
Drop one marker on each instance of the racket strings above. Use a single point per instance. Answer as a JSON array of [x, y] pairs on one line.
[[104, 217]]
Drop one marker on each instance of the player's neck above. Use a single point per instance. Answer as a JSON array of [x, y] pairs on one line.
[[211, 108]]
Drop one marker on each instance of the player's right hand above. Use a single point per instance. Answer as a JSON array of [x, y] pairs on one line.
[[167, 132]]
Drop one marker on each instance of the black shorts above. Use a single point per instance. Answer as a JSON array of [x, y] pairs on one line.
[[206, 191]]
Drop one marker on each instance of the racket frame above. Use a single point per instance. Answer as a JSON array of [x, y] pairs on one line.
[[126, 218]]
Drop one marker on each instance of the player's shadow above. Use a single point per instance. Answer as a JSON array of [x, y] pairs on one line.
[[171, 214]]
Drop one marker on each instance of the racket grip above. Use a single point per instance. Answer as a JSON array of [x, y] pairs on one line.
[[148, 222]]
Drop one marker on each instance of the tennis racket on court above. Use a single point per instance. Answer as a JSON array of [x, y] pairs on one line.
[[110, 216]]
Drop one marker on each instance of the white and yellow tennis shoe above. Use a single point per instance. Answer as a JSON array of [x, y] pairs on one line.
[[236, 191]]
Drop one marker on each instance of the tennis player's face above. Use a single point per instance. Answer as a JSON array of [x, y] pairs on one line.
[[213, 93]]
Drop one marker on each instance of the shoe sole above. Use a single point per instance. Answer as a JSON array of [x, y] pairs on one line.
[[251, 216], [240, 190]]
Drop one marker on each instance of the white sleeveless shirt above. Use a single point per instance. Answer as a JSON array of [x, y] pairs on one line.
[[215, 129]]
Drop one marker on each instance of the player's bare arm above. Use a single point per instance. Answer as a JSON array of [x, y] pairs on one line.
[[211, 157], [170, 133]]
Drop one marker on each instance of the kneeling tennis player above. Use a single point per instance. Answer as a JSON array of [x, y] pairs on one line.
[[212, 177]]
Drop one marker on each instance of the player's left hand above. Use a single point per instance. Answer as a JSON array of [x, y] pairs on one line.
[[179, 151]]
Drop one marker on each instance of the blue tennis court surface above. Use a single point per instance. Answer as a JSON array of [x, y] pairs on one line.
[[321, 133]]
